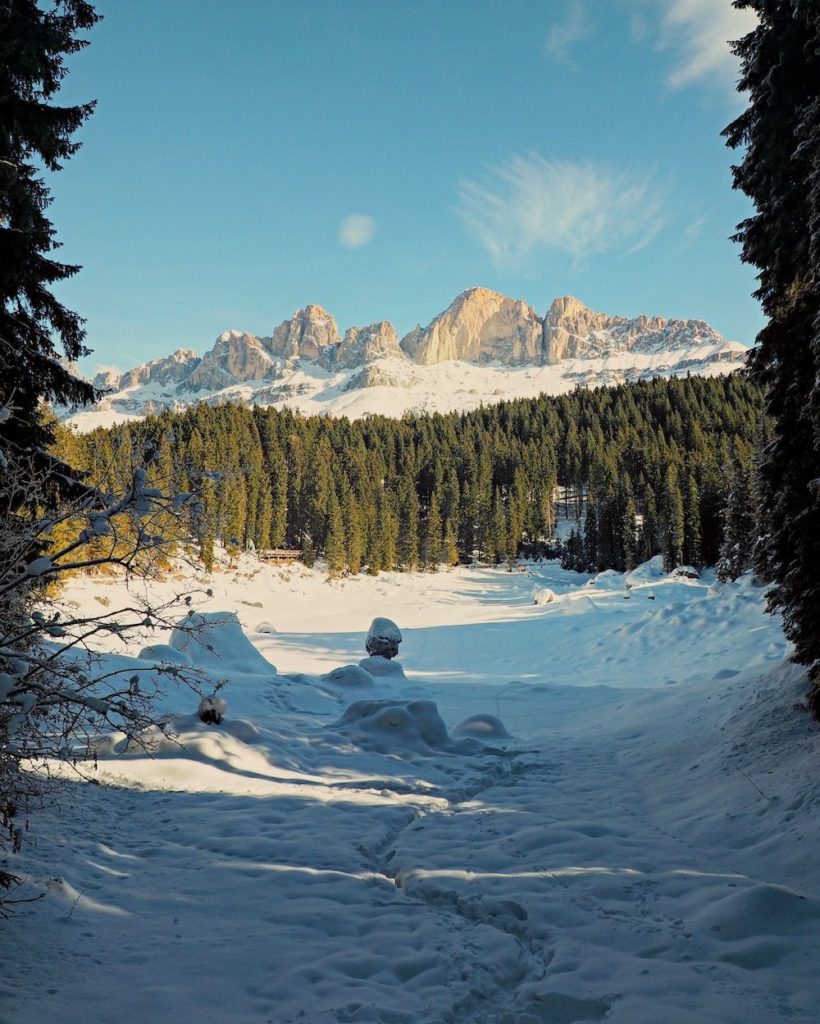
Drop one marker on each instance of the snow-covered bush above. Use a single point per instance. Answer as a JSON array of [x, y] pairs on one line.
[[212, 710], [55, 694]]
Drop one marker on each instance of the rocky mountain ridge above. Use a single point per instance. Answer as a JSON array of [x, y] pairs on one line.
[[481, 328]]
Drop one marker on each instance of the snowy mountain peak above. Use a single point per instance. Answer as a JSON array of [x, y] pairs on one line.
[[484, 347], [479, 326], [305, 335]]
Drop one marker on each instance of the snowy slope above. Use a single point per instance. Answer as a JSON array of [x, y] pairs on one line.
[[639, 849]]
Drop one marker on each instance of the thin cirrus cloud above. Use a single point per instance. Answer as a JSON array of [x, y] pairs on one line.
[[356, 230], [572, 29], [699, 31], [531, 205]]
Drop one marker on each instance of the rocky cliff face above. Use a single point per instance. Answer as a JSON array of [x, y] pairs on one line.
[[166, 370], [469, 353], [362, 345], [573, 331], [481, 326], [305, 335], [236, 356]]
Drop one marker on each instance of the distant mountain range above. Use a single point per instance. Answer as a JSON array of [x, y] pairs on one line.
[[484, 347]]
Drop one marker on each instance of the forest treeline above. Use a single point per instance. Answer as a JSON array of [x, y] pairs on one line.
[[655, 466]]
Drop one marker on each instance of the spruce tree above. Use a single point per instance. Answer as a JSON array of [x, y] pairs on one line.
[[779, 135], [738, 524], [431, 548], [335, 543], [691, 523], [673, 520], [35, 133]]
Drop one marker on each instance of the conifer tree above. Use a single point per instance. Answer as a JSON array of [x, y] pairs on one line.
[[738, 524], [35, 133], [335, 543], [627, 537], [691, 523], [355, 533], [779, 135], [206, 522], [672, 521], [450, 545], [409, 527], [431, 554]]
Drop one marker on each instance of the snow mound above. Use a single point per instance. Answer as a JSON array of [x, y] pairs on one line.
[[542, 595], [378, 666], [348, 675], [651, 570], [759, 910], [214, 641], [266, 627], [687, 572], [165, 654], [609, 579], [393, 726], [481, 727]]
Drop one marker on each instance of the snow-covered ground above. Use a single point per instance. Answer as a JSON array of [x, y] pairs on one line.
[[627, 831]]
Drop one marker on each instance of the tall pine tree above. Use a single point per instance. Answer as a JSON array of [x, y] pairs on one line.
[[35, 133], [779, 134]]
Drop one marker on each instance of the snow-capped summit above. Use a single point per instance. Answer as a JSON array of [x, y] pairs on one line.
[[484, 347], [573, 331]]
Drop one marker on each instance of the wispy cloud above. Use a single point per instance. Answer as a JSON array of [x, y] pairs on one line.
[[356, 230], [694, 229], [699, 31], [530, 204], [574, 28]]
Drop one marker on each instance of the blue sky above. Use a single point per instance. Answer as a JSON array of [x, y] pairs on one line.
[[377, 157]]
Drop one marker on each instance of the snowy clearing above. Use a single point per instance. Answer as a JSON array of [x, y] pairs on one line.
[[594, 808]]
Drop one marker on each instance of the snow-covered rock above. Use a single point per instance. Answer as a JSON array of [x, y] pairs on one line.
[[543, 595], [383, 638]]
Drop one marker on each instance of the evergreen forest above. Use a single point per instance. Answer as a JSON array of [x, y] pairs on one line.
[[660, 466]]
